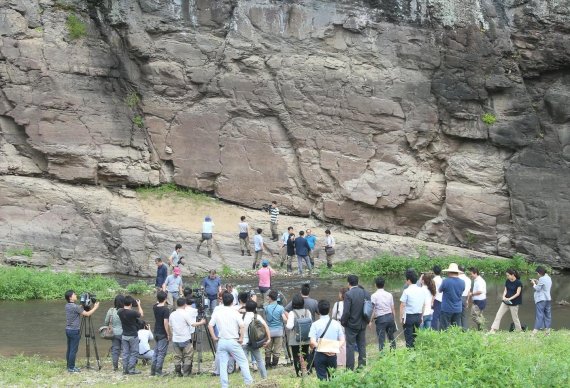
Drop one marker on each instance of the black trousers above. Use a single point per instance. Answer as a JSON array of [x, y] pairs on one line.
[[411, 325], [385, 326], [322, 364], [355, 341], [295, 349], [448, 319]]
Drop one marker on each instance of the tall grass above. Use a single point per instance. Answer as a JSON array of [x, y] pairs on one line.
[[468, 359], [171, 190], [392, 265], [20, 283]]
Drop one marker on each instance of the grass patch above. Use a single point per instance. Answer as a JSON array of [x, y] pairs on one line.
[[468, 359], [171, 190], [75, 27], [21, 283], [394, 265], [138, 121], [132, 100], [26, 251], [139, 287], [489, 118], [227, 271]]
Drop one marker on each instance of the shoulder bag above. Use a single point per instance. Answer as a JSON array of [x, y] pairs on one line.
[[106, 332]]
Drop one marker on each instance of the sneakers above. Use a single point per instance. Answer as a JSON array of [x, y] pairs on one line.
[[73, 370]]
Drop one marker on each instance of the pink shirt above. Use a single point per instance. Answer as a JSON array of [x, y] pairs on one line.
[[264, 275]]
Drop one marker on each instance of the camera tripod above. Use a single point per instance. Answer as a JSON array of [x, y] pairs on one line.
[[198, 345], [87, 329]]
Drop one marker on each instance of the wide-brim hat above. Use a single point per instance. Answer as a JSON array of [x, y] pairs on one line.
[[452, 268]]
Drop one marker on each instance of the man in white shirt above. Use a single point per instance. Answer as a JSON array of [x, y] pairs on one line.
[[174, 258], [328, 329], [465, 297], [182, 325], [437, 279], [384, 314], [283, 249], [258, 248], [244, 236], [207, 235], [230, 339], [479, 298], [412, 308], [145, 335]]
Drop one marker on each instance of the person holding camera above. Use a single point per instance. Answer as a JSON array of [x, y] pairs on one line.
[[161, 334], [182, 324], [145, 335], [130, 339], [542, 300], [175, 259], [112, 319], [73, 314]]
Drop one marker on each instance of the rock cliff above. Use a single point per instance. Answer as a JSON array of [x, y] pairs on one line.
[[444, 120]]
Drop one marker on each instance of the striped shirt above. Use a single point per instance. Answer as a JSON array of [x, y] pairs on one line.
[[274, 214]]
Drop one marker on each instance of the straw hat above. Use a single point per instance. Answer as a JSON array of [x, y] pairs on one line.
[[452, 268]]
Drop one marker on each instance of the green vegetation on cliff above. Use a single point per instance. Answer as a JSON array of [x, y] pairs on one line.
[[75, 27], [171, 189], [393, 265]]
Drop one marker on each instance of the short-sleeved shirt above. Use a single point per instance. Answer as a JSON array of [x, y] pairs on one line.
[[161, 275], [427, 306], [467, 281], [334, 331], [274, 315], [383, 302], [129, 321], [207, 227], [310, 304], [212, 286], [479, 284], [301, 246], [180, 322], [173, 283], [258, 242], [264, 274], [246, 321], [512, 289], [160, 314], [175, 258], [311, 240], [329, 241], [73, 316], [452, 289], [228, 321], [438, 280], [274, 211], [243, 227], [414, 298]]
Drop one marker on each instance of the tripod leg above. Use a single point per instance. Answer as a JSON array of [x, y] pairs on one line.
[[92, 331], [194, 347]]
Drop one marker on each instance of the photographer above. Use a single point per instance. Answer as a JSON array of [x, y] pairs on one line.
[[112, 319], [73, 314], [182, 324], [130, 339]]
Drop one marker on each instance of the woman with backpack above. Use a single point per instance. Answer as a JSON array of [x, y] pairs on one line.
[[112, 319], [299, 323], [256, 336]]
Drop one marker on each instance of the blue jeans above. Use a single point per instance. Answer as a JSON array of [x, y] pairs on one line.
[[256, 355], [130, 353], [426, 324], [300, 260], [543, 315], [323, 364], [227, 347], [73, 338], [160, 350], [436, 314]]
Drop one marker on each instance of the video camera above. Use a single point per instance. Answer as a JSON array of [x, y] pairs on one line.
[[266, 208], [196, 296], [87, 300]]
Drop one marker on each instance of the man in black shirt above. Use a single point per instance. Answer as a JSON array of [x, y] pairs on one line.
[[130, 339], [161, 335]]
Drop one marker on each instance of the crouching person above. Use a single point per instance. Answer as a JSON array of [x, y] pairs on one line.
[[326, 339], [182, 325]]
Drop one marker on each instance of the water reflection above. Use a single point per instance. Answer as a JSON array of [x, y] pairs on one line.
[[37, 327]]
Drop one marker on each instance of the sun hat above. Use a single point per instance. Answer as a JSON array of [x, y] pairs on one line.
[[452, 268], [176, 271], [265, 263]]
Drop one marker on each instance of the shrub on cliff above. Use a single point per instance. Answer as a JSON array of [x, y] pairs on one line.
[[75, 27]]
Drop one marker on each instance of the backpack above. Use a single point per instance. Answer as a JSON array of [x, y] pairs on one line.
[[256, 333], [302, 328], [367, 309]]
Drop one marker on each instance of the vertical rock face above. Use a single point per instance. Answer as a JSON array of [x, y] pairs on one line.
[[362, 112]]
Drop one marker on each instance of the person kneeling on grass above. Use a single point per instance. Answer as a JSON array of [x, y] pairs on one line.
[[326, 338]]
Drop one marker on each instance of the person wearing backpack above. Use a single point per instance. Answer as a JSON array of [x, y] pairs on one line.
[[256, 336], [275, 315], [299, 323]]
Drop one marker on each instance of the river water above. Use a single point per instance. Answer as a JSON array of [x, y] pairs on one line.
[[38, 327]]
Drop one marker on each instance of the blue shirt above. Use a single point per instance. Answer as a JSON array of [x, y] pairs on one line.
[[452, 289], [273, 315], [211, 286], [334, 332], [414, 298], [311, 240], [301, 246], [542, 289], [258, 242], [161, 274]]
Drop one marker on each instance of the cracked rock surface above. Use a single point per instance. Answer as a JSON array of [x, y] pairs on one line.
[[362, 113]]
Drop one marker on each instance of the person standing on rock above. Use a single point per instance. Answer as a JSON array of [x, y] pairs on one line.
[[174, 259], [173, 286], [290, 252], [274, 212], [161, 273], [312, 240], [329, 247], [207, 235], [258, 247], [283, 251], [244, 236], [264, 274], [302, 249]]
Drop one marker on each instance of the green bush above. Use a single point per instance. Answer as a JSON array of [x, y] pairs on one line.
[[468, 359], [489, 118], [138, 121], [172, 190], [21, 283], [392, 265], [26, 251], [139, 287], [75, 27], [132, 100]]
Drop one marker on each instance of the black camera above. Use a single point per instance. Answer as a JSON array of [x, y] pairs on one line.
[[266, 208], [87, 300]]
